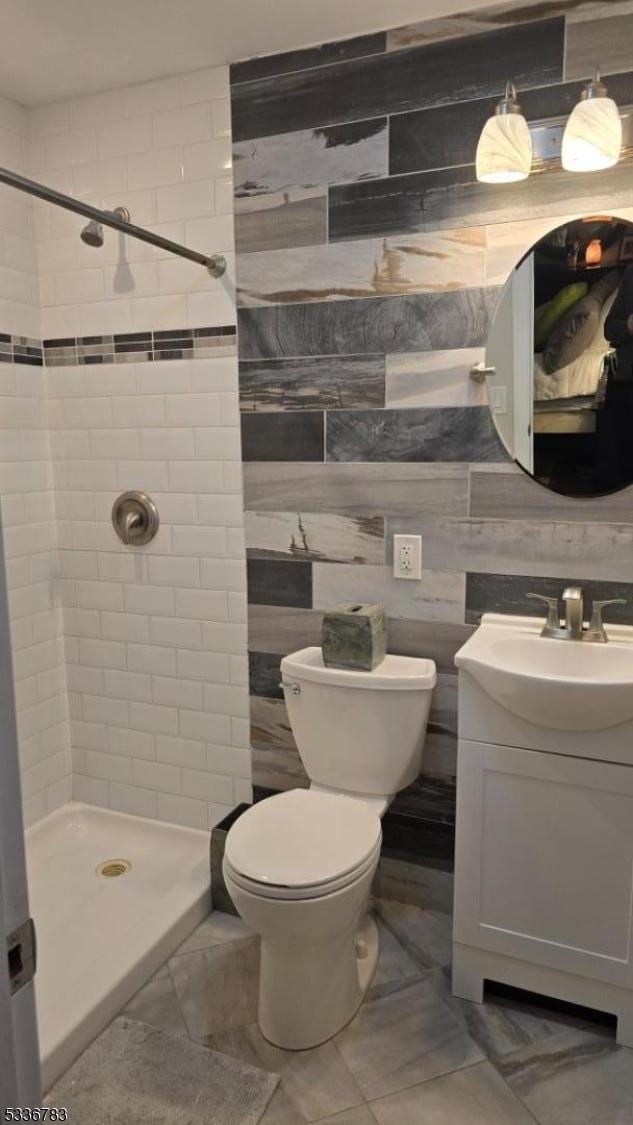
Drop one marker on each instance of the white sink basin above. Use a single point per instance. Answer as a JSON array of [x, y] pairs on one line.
[[565, 685]]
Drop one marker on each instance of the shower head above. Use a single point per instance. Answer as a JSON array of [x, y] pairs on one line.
[[92, 234]]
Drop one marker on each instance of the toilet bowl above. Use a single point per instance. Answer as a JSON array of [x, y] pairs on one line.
[[299, 865], [299, 869]]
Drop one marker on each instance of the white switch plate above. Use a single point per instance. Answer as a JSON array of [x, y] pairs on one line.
[[407, 556], [498, 400]]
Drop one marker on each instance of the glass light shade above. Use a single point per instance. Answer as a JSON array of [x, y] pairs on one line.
[[593, 136], [504, 152]]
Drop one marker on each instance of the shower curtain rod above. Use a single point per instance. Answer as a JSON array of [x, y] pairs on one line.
[[215, 263]]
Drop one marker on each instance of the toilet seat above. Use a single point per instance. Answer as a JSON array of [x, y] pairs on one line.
[[302, 844], [300, 894]]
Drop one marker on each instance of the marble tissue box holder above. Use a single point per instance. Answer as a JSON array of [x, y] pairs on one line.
[[354, 636]]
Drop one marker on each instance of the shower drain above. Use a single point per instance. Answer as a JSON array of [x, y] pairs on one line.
[[110, 868]]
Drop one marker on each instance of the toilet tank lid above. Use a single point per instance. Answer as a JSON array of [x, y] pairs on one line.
[[394, 673]]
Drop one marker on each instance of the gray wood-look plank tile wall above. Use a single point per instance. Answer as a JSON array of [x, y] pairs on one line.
[[369, 265]]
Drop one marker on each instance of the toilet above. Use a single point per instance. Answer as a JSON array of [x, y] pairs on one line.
[[299, 865]]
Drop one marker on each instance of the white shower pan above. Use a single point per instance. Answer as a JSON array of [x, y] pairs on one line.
[[100, 937]]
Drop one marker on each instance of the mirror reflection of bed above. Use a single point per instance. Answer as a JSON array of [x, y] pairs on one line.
[[565, 410], [571, 423]]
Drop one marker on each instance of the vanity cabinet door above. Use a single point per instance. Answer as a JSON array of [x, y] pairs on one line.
[[544, 859]]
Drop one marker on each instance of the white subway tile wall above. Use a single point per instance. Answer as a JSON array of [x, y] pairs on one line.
[[28, 503], [163, 150], [154, 640]]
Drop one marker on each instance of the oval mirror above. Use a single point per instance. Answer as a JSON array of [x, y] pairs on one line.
[[559, 358]]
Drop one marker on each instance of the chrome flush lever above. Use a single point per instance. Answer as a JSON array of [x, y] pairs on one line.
[[293, 689]]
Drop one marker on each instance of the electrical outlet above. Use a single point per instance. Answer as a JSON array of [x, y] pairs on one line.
[[407, 556]]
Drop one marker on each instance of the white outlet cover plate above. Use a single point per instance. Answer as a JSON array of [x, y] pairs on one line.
[[407, 557]]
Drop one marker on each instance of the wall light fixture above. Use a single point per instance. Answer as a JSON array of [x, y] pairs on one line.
[[593, 134], [504, 151]]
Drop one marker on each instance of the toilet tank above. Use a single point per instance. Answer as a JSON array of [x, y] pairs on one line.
[[359, 732]]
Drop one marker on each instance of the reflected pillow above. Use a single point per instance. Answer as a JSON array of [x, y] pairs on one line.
[[577, 328], [547, 316]]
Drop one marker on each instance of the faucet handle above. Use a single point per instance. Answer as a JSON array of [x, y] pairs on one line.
[[553, 619], [596, 625]]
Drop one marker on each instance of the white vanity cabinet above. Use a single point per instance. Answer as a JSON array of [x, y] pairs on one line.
[[544, 860]]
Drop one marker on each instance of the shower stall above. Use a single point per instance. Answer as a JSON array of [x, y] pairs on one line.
[[122, 695]]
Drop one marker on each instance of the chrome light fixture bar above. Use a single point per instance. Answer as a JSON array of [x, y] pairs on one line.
[[214, 263]]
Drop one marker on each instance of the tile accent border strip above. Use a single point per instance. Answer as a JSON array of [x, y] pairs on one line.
[[120, 348], [123, 347], [140, 347], [20, 349]]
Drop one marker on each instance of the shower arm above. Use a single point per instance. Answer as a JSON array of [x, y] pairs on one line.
[[214, 263]]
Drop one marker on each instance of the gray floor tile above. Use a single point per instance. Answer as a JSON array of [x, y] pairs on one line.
[[361, 1115], [476, 1096], [281, 1111], [426, 935], [414, 1051], [404, 1034], [314, 1083], [217, 987], [503, 1024], [157, 1004], [396, 879], [578, 1078], [394, 962], [215, 930]]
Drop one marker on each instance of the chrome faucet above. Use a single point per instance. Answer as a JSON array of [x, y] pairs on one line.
[[572, 597], [573, 628]]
